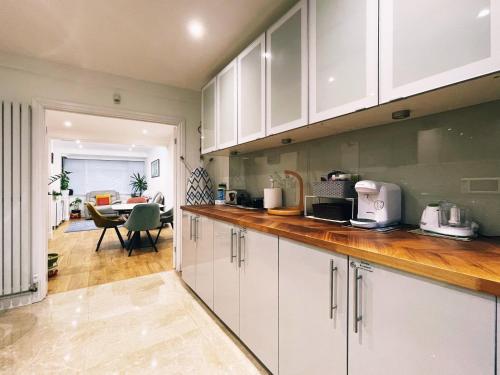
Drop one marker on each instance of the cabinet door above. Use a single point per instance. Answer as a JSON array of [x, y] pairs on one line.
[[286, 85], [204, 233], [312, 310], [251, 91], [208, 117], [414, 326], [226, 276], [343, 57], [227, 119], [188, 251], [433, 43], [258, 259]]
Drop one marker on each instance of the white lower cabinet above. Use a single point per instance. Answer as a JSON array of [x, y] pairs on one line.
[[324, 313], [204, 232], [312, 310], [197, 255], [188, 250], [403, 324], [226, 276], [246, 288], [258, 256]]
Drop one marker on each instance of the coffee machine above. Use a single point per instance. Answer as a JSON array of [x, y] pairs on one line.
[[379, 204]]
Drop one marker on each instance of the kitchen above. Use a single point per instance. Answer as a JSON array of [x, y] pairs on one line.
[[398, 122]]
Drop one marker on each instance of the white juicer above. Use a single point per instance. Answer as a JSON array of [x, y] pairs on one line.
[[448, 219], [379, 204]]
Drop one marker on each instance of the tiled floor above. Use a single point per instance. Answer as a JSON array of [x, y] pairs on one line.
[[81, 266], [146, 325]]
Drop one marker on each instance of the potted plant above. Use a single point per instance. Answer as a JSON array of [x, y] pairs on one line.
[[64, 177], [139, 184], [55, 195], [75, 208]]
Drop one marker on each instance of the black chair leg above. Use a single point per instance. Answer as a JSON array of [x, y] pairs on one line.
[[100, 239], [120, 237], [131, 242], [158, 234], [151, 240], [128, 235]]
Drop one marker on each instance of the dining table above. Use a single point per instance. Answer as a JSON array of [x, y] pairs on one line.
[[126, 208]]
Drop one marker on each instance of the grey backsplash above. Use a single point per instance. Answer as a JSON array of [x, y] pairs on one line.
[[427, 157]]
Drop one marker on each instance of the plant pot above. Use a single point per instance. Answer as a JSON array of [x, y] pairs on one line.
[[52, 263]]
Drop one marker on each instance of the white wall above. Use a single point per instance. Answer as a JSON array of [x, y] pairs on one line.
[[24, 79], [165, 182]]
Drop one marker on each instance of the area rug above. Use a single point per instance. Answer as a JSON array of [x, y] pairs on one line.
[[81, 226]]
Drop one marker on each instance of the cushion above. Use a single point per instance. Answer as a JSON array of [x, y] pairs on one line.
[[103, 199], [137, 200]]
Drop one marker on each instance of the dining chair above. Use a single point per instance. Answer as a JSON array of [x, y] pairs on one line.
[[166, 218], [105, 222], [143, 218]]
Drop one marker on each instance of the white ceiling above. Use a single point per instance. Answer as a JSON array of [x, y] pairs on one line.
[[145, 39], [86, 150], [98, 129]]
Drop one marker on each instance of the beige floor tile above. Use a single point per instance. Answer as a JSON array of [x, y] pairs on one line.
[[145, 325]]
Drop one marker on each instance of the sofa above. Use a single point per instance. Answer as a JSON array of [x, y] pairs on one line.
[[104, 210]]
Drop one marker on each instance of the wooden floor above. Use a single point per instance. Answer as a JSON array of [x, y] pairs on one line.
[[81, 266]]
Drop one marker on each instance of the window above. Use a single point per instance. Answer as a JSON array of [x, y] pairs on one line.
[[90, 174]]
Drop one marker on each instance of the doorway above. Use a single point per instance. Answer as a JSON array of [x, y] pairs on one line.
[[110, 252]]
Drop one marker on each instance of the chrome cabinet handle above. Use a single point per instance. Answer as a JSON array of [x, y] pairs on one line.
[[231, 254], [356, 316], [190, 228], [240, 237], [333, 289], [196, 232]]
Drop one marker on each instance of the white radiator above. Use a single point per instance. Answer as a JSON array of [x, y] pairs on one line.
[[15, 201]]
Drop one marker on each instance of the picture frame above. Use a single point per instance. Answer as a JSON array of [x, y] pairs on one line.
[[155, 168]]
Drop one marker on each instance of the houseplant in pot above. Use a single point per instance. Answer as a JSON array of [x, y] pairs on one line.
[[75, 208], [64, 177], [139, 184]]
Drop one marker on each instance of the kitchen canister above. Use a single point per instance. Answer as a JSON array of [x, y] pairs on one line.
[[272, 198]]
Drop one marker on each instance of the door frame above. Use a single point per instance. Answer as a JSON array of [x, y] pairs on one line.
[[40, 175]]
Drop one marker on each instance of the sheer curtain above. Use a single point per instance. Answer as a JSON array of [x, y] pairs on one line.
[[90, 174]]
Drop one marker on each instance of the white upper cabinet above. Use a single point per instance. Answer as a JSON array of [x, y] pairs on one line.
[[252, 91], [208, 117], [428, 44], [227, 115], [286, 86], [343, 57]]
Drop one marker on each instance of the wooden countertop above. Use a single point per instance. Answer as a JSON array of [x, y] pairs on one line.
[[473, 265]]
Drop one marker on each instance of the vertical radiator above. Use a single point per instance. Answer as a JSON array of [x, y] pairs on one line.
[[15, 201]]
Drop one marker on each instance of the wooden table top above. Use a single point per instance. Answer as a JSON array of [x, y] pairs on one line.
[[473, 265]]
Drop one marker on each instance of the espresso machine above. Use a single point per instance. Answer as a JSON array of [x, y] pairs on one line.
[[379, 204]]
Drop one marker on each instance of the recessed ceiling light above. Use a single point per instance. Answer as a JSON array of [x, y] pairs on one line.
[[130, 148], [77, 141], [196, 29], [331, 79], [483, 13], [80, 146], [144, 131], [133, 146], [68, 124]]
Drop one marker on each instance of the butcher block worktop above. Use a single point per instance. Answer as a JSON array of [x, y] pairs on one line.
[[473, 265]]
